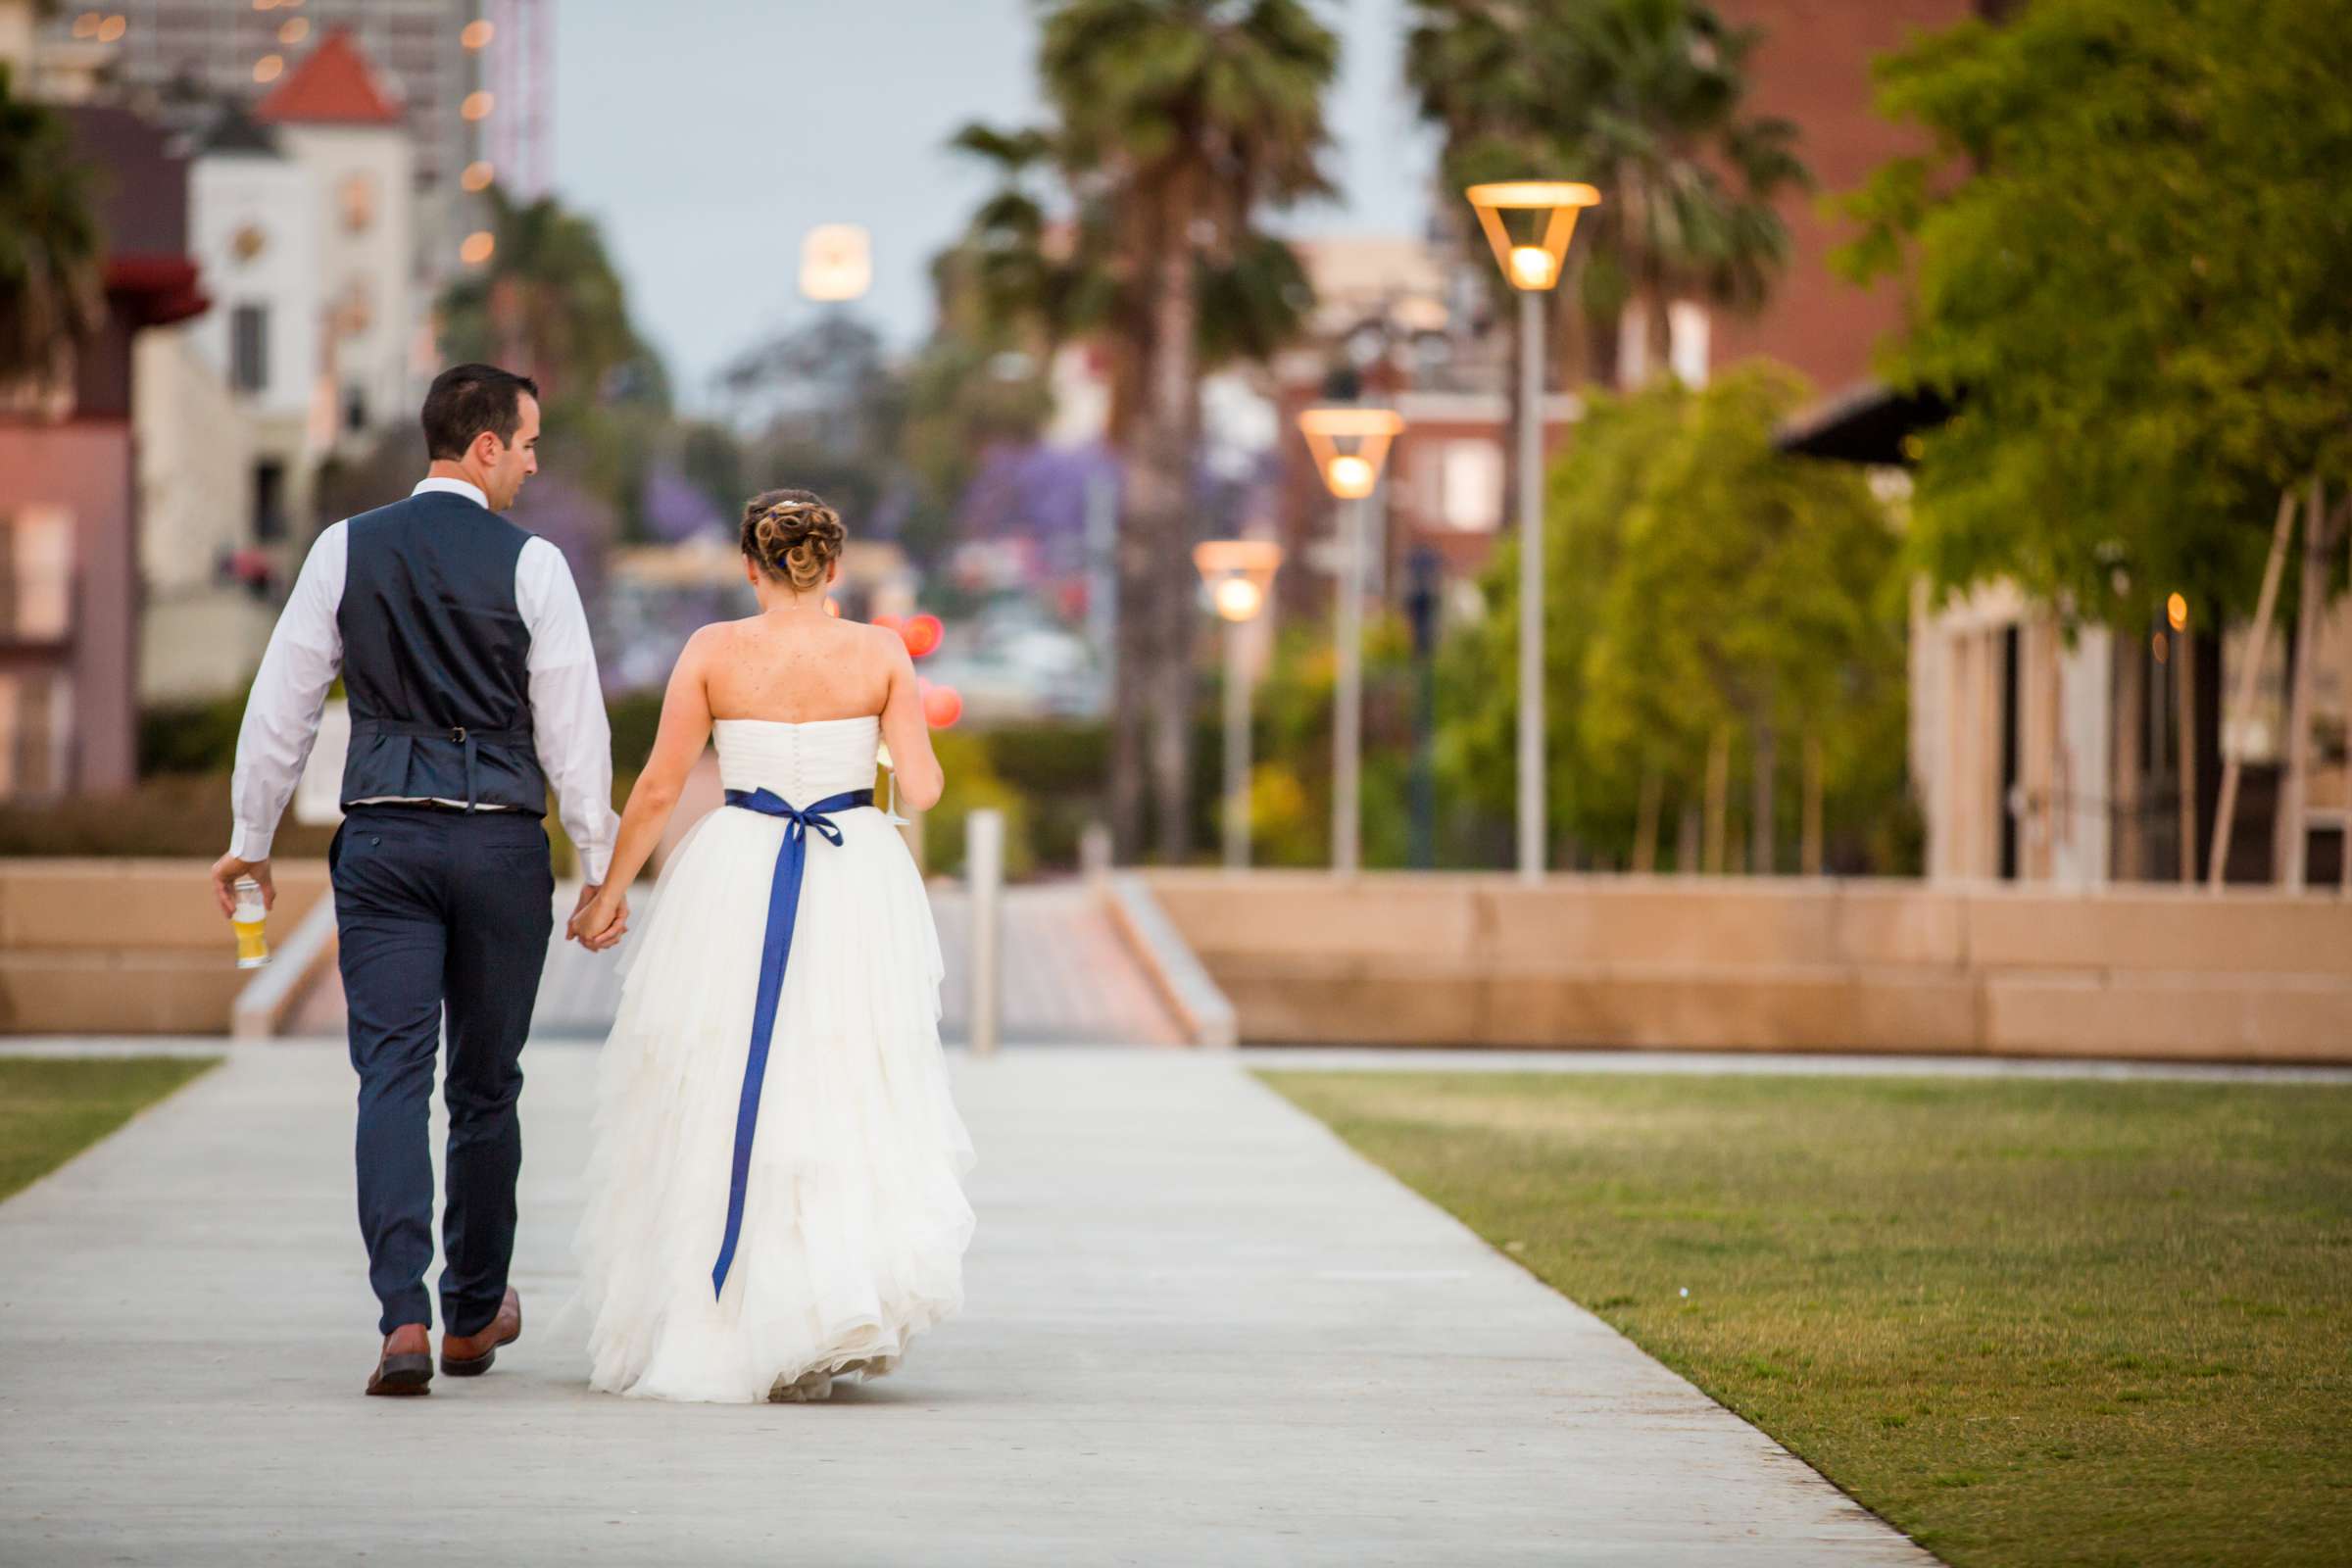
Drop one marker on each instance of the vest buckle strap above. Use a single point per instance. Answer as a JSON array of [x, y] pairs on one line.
[[468, 740]]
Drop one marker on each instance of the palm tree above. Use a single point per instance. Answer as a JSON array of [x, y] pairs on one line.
[[1176, 123], [548, 304], [1645, 99], [51, 291]]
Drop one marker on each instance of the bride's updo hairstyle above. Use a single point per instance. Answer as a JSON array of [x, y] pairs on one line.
[[794, 536]]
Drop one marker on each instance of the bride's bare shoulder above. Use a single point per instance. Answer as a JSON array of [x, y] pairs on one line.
[[883, 643], [711, 643]]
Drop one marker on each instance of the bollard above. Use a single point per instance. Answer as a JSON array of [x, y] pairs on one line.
[[1094, 853], [984, 875]]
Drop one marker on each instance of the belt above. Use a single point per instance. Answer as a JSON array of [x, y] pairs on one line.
[[455, 734], [783, 908]]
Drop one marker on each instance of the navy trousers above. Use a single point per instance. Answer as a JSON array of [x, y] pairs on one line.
[[440, 909]]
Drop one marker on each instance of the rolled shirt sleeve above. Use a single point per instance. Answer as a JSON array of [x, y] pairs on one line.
[[573, 736], [289, 692]]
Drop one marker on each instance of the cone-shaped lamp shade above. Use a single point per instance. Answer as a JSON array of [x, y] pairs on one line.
[[1529, 223], [1238, 573], [1349, 445]]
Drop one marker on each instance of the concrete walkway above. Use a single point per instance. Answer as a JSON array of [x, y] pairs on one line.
[[1199, 1330]]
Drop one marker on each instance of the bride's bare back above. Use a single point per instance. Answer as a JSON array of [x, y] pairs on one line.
[[792, 664], [796, 668]]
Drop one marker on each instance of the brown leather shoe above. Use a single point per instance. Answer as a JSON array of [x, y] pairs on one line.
[[405, 1366], [468, 1356]]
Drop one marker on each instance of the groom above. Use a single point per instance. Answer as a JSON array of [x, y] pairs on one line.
[[473, 686]]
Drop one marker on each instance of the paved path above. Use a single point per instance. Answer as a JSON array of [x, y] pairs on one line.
[[1068, 976], [1201, 1330]]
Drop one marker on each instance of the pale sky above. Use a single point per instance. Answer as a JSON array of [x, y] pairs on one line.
[[708, 139]]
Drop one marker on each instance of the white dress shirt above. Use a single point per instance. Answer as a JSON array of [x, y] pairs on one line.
[[569, 727]]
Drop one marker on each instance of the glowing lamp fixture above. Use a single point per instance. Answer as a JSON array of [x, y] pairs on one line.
[[478, 174], [1238, 573], [1350, 445], [837, 263], [477, 106], [478, 34], [1350, 475], [1545, 211], [2175, 610], [478, 247]]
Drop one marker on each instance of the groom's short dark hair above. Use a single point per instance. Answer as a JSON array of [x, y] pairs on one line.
[[468, 399]]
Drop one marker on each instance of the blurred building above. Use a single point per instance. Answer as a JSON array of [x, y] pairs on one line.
[[2085, 757], [78, 474], [1813, 70], [256, 216], [430, 63], [350, 142], [2038, 755], [295, 189], [237, 413]]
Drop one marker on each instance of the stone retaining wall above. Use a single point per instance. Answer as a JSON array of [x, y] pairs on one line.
[[1771, 965], [127, 947]]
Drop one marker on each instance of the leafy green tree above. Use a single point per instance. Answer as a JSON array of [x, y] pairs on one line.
[[1755, 596], [1590, 492], [1705, 593], [1290, 780], [2128, 242], [50, 246], [1645, 99], [1175, 125]]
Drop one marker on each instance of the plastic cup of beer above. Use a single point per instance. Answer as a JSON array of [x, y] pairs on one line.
[[251, 923]]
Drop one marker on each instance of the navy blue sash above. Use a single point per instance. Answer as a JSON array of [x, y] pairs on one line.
[[783, 908]]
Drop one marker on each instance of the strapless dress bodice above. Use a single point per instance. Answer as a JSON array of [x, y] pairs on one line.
[[803, 762]]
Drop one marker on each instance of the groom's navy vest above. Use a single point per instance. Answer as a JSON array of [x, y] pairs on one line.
[[436, 657]]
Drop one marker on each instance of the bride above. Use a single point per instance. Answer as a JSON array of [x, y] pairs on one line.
[[774, 1195]]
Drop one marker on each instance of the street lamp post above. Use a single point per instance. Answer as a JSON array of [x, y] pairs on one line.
[[1350, 445], [1238, 574], [1421, 608], [1533, 266]]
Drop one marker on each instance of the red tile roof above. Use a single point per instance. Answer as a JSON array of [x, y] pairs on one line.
[[334, 86]]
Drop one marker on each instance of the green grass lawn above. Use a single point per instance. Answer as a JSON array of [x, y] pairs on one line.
[[53, 1108], [2030, 1322]]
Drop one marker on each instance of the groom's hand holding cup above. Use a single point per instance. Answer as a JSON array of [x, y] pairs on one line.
[[226, 874]]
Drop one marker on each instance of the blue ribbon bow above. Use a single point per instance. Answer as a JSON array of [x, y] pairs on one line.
[[783, 907]]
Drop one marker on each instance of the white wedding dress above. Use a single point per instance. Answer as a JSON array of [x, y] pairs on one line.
[[855, 1222]]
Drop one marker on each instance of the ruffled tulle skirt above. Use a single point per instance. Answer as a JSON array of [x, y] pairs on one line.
[[854, 1221]]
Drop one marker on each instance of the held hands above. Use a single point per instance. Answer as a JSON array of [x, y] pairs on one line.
[[226, 872], [601, 918]]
